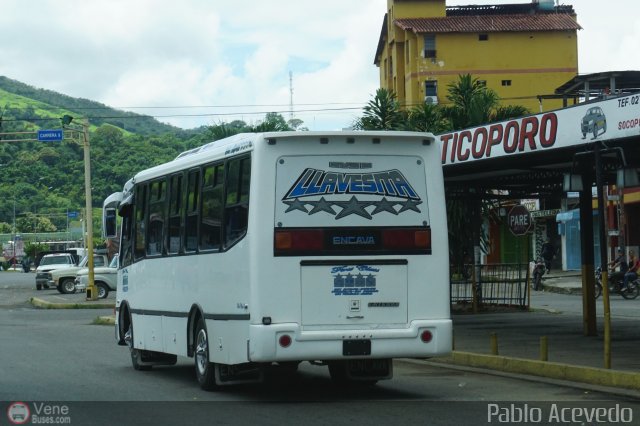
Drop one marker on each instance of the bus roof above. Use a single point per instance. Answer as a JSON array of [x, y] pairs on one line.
[[244, 142]]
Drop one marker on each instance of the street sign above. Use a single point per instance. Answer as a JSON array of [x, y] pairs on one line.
[[52, 135], [72, 215], [519, 220]]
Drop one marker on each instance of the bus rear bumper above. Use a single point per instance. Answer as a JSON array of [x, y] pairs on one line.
[[265, 342]]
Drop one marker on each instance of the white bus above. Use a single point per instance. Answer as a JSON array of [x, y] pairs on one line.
[[277, 248]]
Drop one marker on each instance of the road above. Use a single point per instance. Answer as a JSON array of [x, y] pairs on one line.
[[61, 358]]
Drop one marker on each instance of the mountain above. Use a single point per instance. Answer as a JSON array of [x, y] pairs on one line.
[[19, 101], [40, 182]]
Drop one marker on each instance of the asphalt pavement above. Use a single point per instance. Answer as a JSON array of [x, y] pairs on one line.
[[548, 340]]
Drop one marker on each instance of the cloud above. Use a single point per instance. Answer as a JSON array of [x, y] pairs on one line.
[[237, 55]]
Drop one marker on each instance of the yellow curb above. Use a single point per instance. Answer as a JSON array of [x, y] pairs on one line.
[[40, 303], [552, 370], [105, 320]]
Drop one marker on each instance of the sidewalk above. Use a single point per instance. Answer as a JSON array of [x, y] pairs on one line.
[[568, 282], [558, 317]]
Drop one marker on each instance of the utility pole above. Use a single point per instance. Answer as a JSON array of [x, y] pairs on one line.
[[290, 95], [92, 293]]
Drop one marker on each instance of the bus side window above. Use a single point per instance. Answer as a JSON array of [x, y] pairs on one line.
[[237, 200], [176, 213], [140, 216], [211, 214], [156, 208], [126, 244], [191, 222]]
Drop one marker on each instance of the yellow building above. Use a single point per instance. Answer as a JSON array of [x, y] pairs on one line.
[[519, 50]]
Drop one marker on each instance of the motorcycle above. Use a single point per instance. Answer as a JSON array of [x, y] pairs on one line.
[[539, 269], [616, 286]]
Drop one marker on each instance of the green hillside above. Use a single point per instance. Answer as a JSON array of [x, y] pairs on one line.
[[42, 181], [32, 105]]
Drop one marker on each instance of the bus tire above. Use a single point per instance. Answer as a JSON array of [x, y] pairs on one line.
[[205, 370], [136, 355]]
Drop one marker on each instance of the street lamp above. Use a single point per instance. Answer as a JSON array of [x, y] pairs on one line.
[[92, 293]]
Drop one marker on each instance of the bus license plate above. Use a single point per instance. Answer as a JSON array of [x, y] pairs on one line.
[[356, 347]]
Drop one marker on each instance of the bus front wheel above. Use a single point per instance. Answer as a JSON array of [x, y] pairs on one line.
[[136, 354], [205, 370]]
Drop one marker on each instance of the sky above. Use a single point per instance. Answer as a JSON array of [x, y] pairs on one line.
[[202, 62]]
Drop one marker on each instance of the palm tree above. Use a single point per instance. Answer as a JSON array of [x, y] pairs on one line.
[[427, 118], [505, 112], [473, 104], [381, 113]]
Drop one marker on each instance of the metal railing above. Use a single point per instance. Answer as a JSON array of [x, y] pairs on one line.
[[500, 284]]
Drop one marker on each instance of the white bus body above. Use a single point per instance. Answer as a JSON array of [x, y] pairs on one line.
[[342, 257]]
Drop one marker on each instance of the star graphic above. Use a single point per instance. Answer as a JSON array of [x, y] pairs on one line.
[[410, 205], [296, 204], [384, 205], [353, 206], [321, 205]]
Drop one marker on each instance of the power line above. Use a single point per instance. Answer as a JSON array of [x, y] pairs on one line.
[[220, 114]]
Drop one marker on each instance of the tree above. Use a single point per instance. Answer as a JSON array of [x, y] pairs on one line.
[[505, 112], [223, 130], [381, 113], [273, 122], [33, 223], [32, 249], [474, 104], [297, 124], [427, 118]]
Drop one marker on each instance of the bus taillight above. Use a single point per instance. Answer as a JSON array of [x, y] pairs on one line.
[[406, 239], [285, 340], [299, 240], [426, 336]]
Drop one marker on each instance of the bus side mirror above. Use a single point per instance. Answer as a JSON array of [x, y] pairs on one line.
[[109, 223]]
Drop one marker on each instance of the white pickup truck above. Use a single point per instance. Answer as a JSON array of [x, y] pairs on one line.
[[64, 279], [50, 262], [62, 273]]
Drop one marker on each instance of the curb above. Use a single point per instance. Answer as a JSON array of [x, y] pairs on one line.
[[40, 303], [562, 290], [105, 320], [551, 370]]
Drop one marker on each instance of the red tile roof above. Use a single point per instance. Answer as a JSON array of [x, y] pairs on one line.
[[490, 23]]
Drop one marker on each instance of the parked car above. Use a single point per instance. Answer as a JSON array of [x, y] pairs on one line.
[[64, 279], [594, 121], [105, 278], [50, 262]]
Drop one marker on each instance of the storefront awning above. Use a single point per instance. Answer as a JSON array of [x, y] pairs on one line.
[[567, 216]]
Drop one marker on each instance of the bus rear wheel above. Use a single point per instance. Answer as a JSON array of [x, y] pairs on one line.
[[205, 370]]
